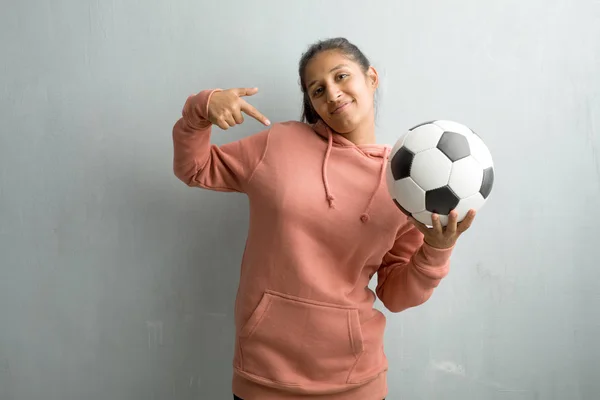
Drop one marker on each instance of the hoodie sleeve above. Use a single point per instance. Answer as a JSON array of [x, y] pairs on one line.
[[197, 162], [410, 271]]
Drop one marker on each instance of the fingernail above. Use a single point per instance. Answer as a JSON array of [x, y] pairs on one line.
[[267, 122]]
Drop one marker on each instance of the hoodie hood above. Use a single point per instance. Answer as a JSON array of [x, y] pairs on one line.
[[372, 150]]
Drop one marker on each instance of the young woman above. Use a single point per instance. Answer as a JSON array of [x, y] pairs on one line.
[[322, 224]]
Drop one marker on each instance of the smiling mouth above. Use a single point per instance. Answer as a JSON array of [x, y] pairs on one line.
[[341, 108]]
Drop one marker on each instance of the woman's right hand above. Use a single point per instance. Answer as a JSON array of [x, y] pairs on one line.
[[225, 108]]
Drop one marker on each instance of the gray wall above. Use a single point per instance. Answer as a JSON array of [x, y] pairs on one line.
[[118, 282]]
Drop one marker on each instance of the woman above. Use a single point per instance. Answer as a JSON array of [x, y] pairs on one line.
[[321, 225]]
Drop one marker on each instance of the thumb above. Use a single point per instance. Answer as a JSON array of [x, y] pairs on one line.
[[246, 91]]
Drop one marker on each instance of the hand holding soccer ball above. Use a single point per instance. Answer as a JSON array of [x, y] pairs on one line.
[[444, 237]]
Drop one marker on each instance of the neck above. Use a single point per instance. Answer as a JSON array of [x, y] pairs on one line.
[[360, 138]]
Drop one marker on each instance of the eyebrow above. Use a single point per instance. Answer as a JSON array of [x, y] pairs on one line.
[[339, 66]]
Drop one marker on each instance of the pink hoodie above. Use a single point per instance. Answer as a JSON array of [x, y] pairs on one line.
[[321, 225]]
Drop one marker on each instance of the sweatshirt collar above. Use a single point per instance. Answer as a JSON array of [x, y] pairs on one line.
[[337, 140]]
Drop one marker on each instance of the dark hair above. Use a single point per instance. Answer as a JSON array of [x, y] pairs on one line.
[[340, 44]]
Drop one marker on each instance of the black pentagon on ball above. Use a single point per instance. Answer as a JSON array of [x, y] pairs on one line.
[[401, 163], [487, 182], [404, 210], [454, 145], [441, 200]]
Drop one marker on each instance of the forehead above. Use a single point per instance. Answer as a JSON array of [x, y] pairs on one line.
[[326, 62]]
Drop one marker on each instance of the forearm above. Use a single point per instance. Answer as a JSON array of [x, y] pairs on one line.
[[409, 284]]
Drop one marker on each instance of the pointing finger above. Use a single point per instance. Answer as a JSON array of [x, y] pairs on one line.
[[254, 113]]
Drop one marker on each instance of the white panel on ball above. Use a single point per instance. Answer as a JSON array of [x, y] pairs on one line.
[[423, 138], [431, 169], [465, 177], [474, 202], [410, 195], [480, 151], [455, 127]]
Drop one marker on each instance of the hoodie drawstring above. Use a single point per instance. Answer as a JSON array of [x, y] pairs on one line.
[[329, 196]]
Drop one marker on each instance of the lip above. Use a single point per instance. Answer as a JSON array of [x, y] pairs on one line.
[[341, 108]]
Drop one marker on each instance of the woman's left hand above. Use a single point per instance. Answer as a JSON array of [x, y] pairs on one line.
[[444, 237]]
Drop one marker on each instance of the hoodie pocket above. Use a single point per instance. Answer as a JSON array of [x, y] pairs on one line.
[[295, 342]]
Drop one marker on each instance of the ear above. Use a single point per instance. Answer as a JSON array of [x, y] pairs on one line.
[[373, 77]]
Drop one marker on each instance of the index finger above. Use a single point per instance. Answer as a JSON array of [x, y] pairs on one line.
[[254, 113]]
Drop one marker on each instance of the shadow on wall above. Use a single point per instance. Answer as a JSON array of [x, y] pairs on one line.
[[165, 311], [199, 238]]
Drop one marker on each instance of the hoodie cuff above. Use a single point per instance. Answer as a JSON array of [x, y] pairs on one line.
[[433, 257], [195, 110]]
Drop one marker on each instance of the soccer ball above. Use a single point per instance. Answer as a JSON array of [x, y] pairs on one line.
[[439, 166]]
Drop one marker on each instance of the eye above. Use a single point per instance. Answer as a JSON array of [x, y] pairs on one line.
[[317, 91], [342, 76]]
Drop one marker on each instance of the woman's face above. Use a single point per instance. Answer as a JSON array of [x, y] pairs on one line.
[[340, 92]]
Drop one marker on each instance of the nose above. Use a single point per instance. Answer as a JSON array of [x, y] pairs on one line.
[[333, 93]]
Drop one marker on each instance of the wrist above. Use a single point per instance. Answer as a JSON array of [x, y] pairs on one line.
[[195, 110], [438, 246]]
